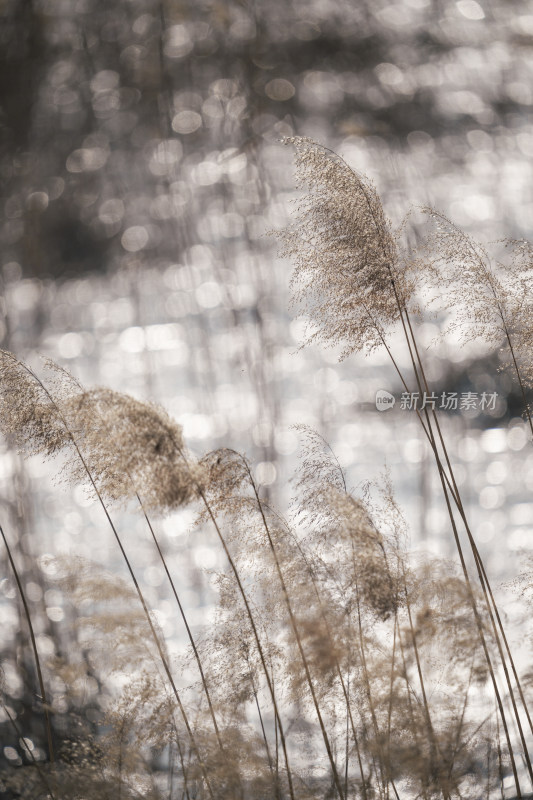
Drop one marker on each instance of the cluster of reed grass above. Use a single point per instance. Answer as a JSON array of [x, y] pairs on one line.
[[338, 665]]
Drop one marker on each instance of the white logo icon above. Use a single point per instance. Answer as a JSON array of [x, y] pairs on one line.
[[384, 400]]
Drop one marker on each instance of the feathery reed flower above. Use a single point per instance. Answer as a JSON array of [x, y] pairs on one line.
[[491, 300], [27, 411], [128, 447], [373, 575], [348, 278], [133, 447]]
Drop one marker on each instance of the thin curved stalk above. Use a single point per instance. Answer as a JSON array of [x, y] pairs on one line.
[[153, 632], [337, 664], [457, 746], [482, 575], [432, 740], [481, 634], [367, 685], [296, 632], [255, 634], [449, 485], [250, 616], [182, 762], [48, 724], [178, 601], [185, 622], [403, 310], [409, 691], [519, 376], [265, 740], [445, 480], [455, 494], [486, 270]]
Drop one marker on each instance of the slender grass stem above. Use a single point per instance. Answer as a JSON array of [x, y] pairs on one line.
[[368, 687], [483, 579], [520, 382], [454, 492], [338, 669], [414, 726], [255, 634], [185, 622], [449, 484], [250, 616], [262, 724], [417, 366], [48, 723], [179, 603], [296, 632], [431, 732]]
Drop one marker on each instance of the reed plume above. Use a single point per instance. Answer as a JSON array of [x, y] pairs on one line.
[[491, 300], [125, 443], [348, 267]]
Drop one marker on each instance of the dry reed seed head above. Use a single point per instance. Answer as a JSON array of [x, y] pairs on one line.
[[463, 267], [27, 412], [518, 281], [230, 650], [144, 712], [228, 475], [133, 447], [442, 615], [233, 494], [103, 769], [489, 299], [128, 446], [242, 761], [375, 581], [323, 648], [522, 584], [105, 605], [318, 472], [344, 253]]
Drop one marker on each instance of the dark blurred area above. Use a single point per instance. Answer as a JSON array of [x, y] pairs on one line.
[[108, 110]]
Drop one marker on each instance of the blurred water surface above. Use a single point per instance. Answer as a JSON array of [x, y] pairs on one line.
[[142, 168]]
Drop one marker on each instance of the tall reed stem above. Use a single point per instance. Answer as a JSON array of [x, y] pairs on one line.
[[296, 632], [338, 669], [48, 724], [185, 622], [485, 586], [255, 634], [402, 309], [465, 573], [249, 614]]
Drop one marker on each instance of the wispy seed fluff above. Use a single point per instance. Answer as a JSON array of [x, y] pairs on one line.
[[126, 446], [373, 573], [27, 411], [491, 300], [344, 253], [133, 447]]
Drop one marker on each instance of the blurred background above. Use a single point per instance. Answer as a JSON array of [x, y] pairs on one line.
[[141, 171]]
